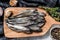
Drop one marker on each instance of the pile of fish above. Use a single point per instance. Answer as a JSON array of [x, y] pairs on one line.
[[28, 21]]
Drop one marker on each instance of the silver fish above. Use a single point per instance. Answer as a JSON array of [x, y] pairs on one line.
[[35, 28], [19, 28], [26, 13], [20, 21]]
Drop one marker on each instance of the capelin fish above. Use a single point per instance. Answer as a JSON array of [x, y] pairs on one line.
[[19, 28], [26, 13], [35, 28], [20, 21]]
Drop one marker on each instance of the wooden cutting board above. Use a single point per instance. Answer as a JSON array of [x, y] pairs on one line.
[[12, 34]]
